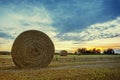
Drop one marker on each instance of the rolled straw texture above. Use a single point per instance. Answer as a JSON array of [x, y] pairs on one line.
[[32, 49]]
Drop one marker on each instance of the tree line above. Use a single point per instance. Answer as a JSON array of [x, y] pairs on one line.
[[94, 51]]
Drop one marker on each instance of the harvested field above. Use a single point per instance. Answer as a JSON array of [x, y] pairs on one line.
[[71, 67]]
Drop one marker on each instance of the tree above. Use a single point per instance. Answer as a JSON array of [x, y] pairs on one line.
[[85, 51], [81, 51], [109, 51], [96, 51], [75, 52]]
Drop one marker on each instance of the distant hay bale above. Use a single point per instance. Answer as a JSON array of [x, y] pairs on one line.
[[63, 53], [32, 49]]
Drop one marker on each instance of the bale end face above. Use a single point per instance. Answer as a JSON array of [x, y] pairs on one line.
[[32, 49]]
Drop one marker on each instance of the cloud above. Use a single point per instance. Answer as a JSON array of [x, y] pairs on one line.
[[104, 30], [100, 35], [72, 15], [13, 22], [5, 35], [102, 44], [67, 15], [69, 23], [111, 8], [5, 44]]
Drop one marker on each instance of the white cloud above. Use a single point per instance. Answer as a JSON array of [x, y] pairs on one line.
[[21, 21], [15, 22], [98, 31], [101, 35]]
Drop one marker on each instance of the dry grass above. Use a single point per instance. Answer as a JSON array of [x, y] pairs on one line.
[[66, 68], [62, 74]]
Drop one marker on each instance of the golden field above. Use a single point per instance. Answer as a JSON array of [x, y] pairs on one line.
[[71, 67]]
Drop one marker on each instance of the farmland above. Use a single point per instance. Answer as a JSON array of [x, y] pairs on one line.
[[71, 67]]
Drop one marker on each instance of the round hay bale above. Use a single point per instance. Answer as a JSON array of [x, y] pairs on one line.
[[63, 53], [32, 49]]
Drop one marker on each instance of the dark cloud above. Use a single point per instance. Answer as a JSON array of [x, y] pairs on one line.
[[71, 15], [111, 8], [5, 35], [78, 14]]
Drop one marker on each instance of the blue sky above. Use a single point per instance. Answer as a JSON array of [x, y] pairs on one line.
[[72, 23]]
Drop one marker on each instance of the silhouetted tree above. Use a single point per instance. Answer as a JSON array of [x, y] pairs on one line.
[[105, 52], [85, 51], [98, 51], [94, 51], [109, 51], [75, 52], [88, 51], [81, 51]]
